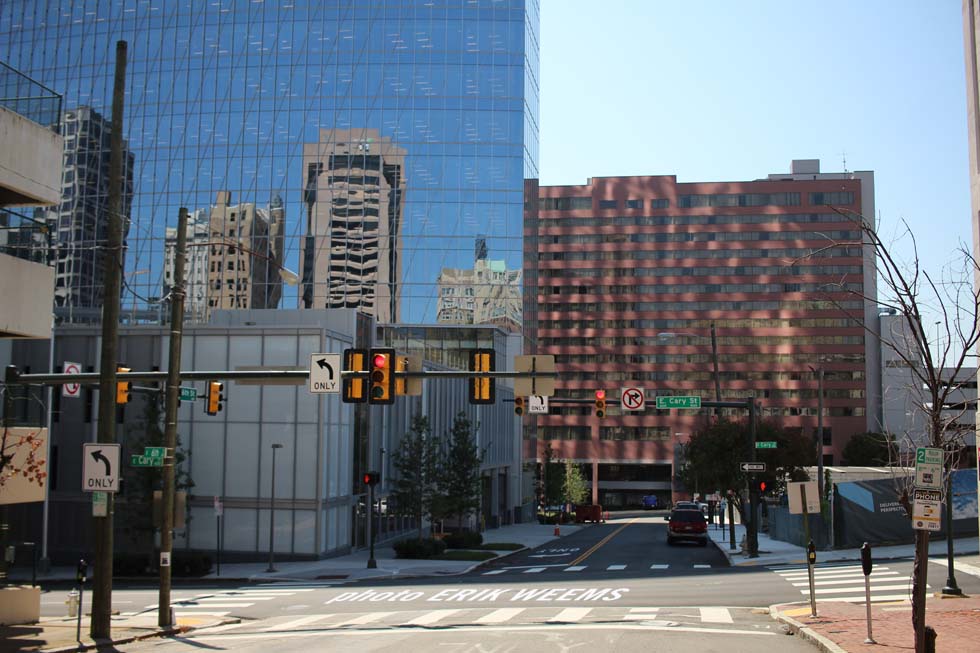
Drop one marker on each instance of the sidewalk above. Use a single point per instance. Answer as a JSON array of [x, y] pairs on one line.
[[58, 633], [842, 626]]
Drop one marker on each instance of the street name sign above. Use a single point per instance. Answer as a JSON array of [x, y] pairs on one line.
[[766, 444], [665, 403], [136, 460], [537, 405], [631, 398], [927, 509], [100, 467], [71, 389], [188, 394], [325, 373], [929, 468], [155, 452], [752, 467]]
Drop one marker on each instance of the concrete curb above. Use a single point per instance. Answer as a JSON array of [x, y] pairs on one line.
[[163, 632], [801, 630]]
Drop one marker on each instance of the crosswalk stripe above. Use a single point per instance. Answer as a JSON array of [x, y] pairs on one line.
[[570, 615], [193, 605], [860, 599], [716, 615], [659, 566], [494, 572], [534, 570], [499, 616], [233, 599], [575, 568], [831, 576], [197, 613], [641, 614], [431, 617], [873, 580], [855, 588], [223, 628], [295, 623], [363, 619], [615, 567]]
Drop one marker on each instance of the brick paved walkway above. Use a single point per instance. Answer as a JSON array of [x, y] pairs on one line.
[[956, 621]]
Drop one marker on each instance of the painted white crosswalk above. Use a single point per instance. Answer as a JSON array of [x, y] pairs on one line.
[[224, 602], [613, 567], [445, 618], [846, 583]]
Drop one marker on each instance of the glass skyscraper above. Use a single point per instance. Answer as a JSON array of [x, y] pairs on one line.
[[390, 133]]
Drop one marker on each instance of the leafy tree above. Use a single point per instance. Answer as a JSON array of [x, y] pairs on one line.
[[574, 487], [551, 478], [24, 447], [459, 472], [415, 461], [715, 450], [870, 450], [135, 510]]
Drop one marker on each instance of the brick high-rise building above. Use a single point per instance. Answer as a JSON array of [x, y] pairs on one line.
[[632, 272]]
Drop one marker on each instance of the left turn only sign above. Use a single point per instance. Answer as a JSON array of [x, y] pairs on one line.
[[325, 373], [100, 467]]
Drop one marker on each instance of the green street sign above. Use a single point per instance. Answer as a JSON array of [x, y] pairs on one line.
[[765, 445], [137, 460], [188, 394], [155, 452], [665, 403]]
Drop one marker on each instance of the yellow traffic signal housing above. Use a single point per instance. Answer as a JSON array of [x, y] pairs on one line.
[[215, 397], [482, 389], [519, 405], [600, 403], [124, 389], [410, 386], [382, 376], [354, 388]]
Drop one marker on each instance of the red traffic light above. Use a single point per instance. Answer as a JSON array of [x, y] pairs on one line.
[[379, 360], [600, 394], [762, 486]]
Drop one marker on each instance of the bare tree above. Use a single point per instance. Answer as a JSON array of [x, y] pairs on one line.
[[912, 293]]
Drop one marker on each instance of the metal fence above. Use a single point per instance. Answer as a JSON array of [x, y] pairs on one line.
[[29, 98]]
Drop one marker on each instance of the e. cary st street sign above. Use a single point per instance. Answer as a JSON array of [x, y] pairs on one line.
[[666, 403]]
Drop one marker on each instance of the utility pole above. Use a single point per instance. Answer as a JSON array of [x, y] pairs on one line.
[[102, 573], [820, 435], [753, 525], [714, 359], [177, 292]]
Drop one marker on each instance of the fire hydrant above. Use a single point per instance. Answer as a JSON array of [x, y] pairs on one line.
[[72, 603]]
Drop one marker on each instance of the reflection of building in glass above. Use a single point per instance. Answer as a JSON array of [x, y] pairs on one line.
[[234, 256], [488, 293], [225, 95], [79, 224], [353, 192]]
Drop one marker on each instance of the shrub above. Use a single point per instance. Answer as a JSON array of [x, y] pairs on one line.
[[415, 548], [463, 540]]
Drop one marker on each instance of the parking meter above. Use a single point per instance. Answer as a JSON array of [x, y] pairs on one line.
[[811, 553], [866, 559], [81, 571]]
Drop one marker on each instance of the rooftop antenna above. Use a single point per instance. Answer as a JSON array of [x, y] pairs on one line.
[[844, 159]]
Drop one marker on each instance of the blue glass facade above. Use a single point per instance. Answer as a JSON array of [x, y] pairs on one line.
[[227, 95]]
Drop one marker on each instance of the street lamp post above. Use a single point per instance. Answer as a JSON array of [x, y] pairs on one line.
[[665, 335], [819, 436], [272, 512], [951, 587]]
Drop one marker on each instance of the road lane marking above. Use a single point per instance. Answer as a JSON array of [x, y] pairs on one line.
[[659, 566], [600, 543], [702, 566], [430, 618], [295, 623], [576, 568], [494, 572], [570, 615], [499, 616], [641, 614], [534, 570], [363, 619], [716, 615], [615, 567]]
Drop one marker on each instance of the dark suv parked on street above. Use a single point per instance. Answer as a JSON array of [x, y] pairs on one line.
[[687, 525]]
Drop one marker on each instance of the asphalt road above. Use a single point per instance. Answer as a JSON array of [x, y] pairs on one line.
[[616, 586]]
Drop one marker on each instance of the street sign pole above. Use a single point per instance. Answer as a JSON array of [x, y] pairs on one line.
[[165, 617], [753, 526]]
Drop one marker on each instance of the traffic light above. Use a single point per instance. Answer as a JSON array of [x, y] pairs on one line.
[[382, 376], [353, 388], [519, 405], [760, 486], [600, 403], [123, 388], [371, 478], [214, 397], [401, 365], [482, 389]]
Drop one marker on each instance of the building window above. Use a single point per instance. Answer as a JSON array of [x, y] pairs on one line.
[[842, 197], [564, 203], [608, 204], [634, 204]]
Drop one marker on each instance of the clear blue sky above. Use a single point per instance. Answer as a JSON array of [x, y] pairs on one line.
[[719, 91]]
